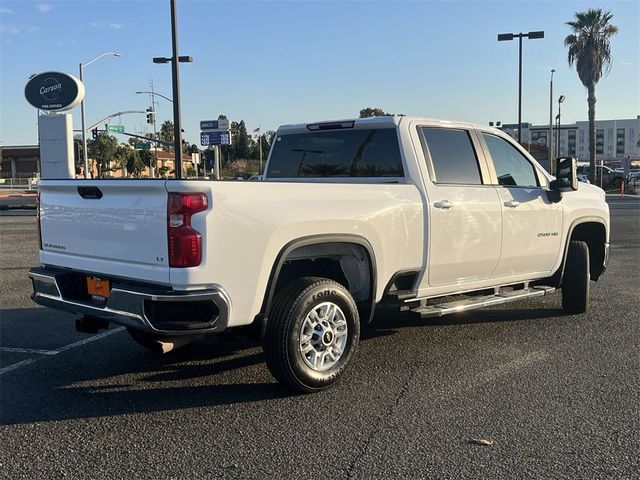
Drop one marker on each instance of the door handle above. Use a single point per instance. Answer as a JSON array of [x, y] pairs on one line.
[[512, 203], [446, 204]]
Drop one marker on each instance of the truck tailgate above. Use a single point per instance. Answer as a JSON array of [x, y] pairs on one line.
[[110, 227]]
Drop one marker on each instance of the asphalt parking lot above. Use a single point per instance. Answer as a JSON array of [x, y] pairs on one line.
[[553, 396]]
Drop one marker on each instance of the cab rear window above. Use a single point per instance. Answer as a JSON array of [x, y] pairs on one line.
[[337, 153]]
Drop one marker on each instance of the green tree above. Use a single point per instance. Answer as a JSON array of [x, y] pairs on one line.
[[590, 51], [147, 159], [120, 158], [266, 139], [102, 151], [242, 142], [373, 112], [135, 164], [166, 133], [192, 149]]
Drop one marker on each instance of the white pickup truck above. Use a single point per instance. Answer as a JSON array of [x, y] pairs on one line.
[[438, 216]]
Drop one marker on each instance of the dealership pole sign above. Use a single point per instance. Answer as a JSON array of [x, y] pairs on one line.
[[54, 91]]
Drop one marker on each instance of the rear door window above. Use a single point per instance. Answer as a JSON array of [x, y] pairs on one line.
[[337, 153], [452, 155]]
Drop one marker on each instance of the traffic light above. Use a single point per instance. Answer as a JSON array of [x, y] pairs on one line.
[[94, 133], [150, 114]]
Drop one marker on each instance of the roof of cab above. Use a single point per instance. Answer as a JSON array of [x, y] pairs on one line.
[[381, 122]]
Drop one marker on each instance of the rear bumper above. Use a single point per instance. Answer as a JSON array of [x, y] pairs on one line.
[[140, 306]]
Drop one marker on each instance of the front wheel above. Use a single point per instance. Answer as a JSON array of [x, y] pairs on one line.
[[312, 334], [575, 280]]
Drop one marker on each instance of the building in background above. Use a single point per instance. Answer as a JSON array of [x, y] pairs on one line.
[[615, 139], [20, 162]]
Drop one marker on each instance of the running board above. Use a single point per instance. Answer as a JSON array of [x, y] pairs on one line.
[[441, 309]]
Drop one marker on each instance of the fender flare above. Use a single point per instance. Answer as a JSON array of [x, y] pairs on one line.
[[557, 276], [314, 240]]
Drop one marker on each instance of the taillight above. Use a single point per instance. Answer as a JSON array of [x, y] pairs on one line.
[[185, 244], [38, 219]]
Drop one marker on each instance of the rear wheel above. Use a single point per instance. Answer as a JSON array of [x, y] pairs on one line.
[[312, 334], [575, 280]]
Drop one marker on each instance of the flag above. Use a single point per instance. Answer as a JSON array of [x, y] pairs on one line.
[[256, 133]]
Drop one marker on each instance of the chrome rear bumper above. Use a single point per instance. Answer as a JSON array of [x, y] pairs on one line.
[[144, 307]]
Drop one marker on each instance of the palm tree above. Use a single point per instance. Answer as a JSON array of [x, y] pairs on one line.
[[589, 49], [166, 132]]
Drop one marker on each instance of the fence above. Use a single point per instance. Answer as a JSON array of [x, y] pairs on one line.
[[19, 183]]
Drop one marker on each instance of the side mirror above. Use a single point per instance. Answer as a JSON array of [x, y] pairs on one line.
[[566, 175]]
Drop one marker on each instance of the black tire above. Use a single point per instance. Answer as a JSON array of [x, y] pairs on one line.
[[575, 280], [282, 345], [145, 339]]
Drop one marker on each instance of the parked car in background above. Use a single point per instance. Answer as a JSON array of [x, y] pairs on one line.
[[610, 177], [583, 178]]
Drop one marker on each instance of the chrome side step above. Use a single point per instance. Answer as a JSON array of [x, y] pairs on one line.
[[441, 309]]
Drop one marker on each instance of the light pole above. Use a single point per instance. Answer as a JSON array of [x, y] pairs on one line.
[[175, 80], [560, 100], [87, 173], [550, 140], [158, 95], [510, 36]]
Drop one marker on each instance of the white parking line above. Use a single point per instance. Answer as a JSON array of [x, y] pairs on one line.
[[90, 339], [18, 365], [28, 350], [45, 353]]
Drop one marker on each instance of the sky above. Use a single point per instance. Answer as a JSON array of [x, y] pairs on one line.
[[271, 62]]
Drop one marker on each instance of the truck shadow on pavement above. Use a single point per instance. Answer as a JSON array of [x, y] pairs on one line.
[[114, 376]]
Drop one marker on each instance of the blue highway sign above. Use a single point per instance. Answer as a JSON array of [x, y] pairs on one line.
[[215, 138]]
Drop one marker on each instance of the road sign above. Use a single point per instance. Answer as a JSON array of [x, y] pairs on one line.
[[215, 138], [114, 128], [213, 125], [143, 145]]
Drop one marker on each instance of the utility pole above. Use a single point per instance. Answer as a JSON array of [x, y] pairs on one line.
[[87, 171], [175, 78], [155, 134], [510, 36], [552, 167], [260, 147], [175, 75], [560, 100]]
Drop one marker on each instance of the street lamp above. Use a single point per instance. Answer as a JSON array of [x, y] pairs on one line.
[[175, 80], [560, 100], [510, 36], [157, 94], [550, 141], [87, 173]]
